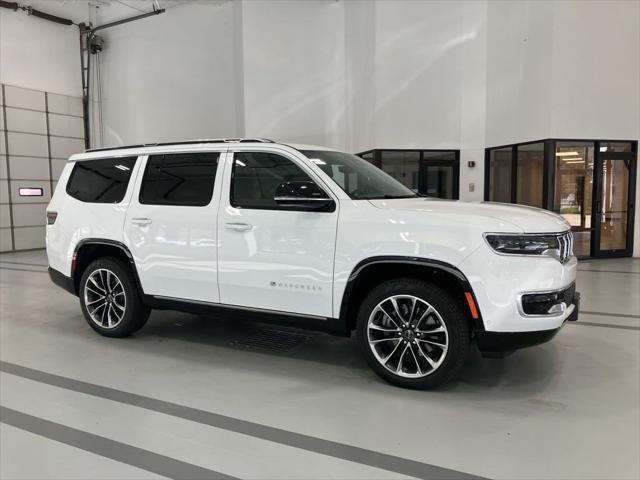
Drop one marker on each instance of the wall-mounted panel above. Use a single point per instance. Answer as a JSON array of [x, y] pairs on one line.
[[5, 240], [28, 145], [24, 98], [29, 168], [65, 104], [29, 215], [66, 125], [16, 185], [29, 237], [28, 121]]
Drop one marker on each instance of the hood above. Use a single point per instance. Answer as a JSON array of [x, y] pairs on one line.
[[527, 219]]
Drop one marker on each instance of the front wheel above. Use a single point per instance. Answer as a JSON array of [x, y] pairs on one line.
[[412, 333], [109, 298]]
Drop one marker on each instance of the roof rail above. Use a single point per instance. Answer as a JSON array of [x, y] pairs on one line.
[[184, 142]]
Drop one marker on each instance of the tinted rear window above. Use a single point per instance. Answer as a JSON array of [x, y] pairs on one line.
[[101, 181], [179, 179]]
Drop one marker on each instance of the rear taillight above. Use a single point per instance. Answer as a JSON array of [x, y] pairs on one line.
[[51, 217]]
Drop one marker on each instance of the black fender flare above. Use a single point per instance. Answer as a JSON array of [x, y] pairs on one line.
[[112, 243], [362, 266]]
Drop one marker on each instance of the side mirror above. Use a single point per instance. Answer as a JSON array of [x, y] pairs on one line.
[[303, 195]]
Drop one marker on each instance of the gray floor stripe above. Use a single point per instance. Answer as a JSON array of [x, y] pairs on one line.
[[105, 447], [23, 270], [605, 314], [284, 437], [24, 263], [608, 271], [605, 325]]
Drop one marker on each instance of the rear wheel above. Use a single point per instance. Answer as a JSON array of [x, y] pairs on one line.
[[110, 300], [412, 333]]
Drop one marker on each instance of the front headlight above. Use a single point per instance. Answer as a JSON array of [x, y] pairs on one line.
[[548, 245]]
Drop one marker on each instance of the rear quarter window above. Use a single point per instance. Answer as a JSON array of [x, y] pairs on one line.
[[100, 181]]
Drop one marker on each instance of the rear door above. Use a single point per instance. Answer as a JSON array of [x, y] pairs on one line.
[[271, 256], [170, 226]]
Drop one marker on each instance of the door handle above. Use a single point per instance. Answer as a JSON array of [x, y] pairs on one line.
[[239, 227], [141, 222]]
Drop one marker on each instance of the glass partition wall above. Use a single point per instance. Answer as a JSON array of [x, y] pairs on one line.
[[591, 183], [435, 173]]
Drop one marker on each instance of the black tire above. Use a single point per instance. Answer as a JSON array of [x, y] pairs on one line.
[[451, 314], [135, 313]]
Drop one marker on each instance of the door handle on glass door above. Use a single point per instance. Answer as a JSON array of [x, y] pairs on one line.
[[239, 227], [141, 222]]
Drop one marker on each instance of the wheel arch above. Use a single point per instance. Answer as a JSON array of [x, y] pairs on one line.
[[375, 270], [89, 249]]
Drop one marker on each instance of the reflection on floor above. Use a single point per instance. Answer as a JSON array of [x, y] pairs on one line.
[[199, 397]]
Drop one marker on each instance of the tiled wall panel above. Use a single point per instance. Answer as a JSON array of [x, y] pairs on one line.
[[66, 126], [65, 104], [62, 147], [5, 216], [56, 169], [26, 238], [28, 144], [17, 184], [3, 166], [29, 168], [29, 121], [43, 130], [24, 98], [29, 215], [6, 244], [4, 191]]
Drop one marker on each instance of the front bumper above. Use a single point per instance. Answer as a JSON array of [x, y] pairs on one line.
[[501, 344]]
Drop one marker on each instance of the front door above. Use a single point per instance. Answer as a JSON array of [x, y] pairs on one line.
[[614, 203], [170, 226], [270, 256]]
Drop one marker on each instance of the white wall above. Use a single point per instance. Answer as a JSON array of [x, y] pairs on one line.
[[38, 54], [173, 76], [294, 71]]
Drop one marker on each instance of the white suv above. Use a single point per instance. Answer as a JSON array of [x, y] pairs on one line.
[[310, 237]]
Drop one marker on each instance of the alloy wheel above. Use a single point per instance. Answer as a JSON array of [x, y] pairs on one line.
[[104, 298], [407, 336]]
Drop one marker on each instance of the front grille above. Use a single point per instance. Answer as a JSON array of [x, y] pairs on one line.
[[565, 241], [541, 303]]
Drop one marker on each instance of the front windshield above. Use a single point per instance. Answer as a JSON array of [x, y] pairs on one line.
[[358, 178]]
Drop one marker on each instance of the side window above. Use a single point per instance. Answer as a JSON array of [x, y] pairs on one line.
[[257, 175], [100, 181], [184, 179]]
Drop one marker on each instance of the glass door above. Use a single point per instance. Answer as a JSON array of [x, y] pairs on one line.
[[574, 187], [439, 179], [613, 203]]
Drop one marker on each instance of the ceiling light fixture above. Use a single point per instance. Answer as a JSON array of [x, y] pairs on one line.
[[566, 154]]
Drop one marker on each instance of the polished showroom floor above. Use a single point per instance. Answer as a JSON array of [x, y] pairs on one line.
[[191, 397]]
